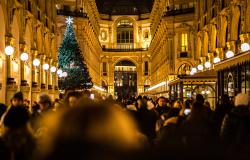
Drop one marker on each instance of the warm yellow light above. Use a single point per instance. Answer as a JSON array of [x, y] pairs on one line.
[[45, 66], [53, 69], [9, 50], [216, 60], [64, 74], [229, 54], [59, 72], [200, 67], [36, 62], [207, 64], [194, 70], [24, 56], [245, 47]]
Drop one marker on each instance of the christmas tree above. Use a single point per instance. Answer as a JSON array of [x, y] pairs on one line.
[[74, 73]]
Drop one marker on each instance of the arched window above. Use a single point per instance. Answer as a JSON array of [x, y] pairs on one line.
[[184, 69], [125, 34]]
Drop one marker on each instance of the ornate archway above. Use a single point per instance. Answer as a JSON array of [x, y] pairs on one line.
[[125, 79]]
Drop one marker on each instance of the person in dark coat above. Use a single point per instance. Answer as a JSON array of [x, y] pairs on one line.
[[17, 134], [235, 129], [161, 106]]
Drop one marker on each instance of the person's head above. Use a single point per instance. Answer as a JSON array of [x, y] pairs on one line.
[[3, 108], [225, 99], [16, 117], [17, 99], [207, 104], [98, 126], [200, 99], [45, 102], [72, 98], [177, 104], [162, 101], [241, 100]]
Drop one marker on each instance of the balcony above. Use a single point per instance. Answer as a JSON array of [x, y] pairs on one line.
[[123, 47], [73, 13], [179, 12], [184, 55]]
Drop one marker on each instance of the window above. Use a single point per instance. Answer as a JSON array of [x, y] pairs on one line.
[[146, 68], [184, 42], [104, 68], [125, 34]]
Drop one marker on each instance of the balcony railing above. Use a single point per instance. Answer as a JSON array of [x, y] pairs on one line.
[[124, 47], [65, 12], [179, 11]]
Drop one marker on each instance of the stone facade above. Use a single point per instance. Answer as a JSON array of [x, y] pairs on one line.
[[28, 26]]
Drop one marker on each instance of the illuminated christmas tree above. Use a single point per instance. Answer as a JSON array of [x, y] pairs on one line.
[[75, 73]]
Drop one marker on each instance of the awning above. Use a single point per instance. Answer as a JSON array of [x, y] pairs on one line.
[[237, 59]]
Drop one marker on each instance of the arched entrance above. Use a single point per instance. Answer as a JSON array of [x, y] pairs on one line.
[[125, 79]]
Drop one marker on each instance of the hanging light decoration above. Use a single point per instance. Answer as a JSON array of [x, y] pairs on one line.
[[207, 64], [45, 66], [36, 62], [9, 50], [229, 54], [200, 67], [24, 56], [216, 59], [245, 47]]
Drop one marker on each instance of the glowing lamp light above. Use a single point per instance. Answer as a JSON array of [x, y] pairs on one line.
[[36, 62], [229, 54], [207, 92], [200, 67], [203, 92], [9, 50], [194, 70], [207, 64], [216, 60], [24, 56], [53, 69], [245, 47], [59, 71], [191, 73], [60, 75], [64, 74], [45, 66]]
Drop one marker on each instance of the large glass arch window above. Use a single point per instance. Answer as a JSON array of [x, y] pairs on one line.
[[125, 34]]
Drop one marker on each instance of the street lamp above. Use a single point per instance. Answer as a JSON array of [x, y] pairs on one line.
[[36, 62], [9, 50], [216, 59], [24, 56], [59, 72], [64, 74], [200, 67], [45, 66], [53, 69], [229, 54], [207, 64], [245, 47]]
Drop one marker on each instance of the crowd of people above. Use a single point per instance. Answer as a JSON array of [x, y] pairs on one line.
[[78, 127]]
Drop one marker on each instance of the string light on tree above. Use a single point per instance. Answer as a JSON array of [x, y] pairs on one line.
[[71, 62]]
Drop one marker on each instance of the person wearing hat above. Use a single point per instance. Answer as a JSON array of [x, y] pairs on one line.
[[235, 129], [17, 99]]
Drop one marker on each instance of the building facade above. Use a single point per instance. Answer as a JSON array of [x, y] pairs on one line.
[[28, 27]]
